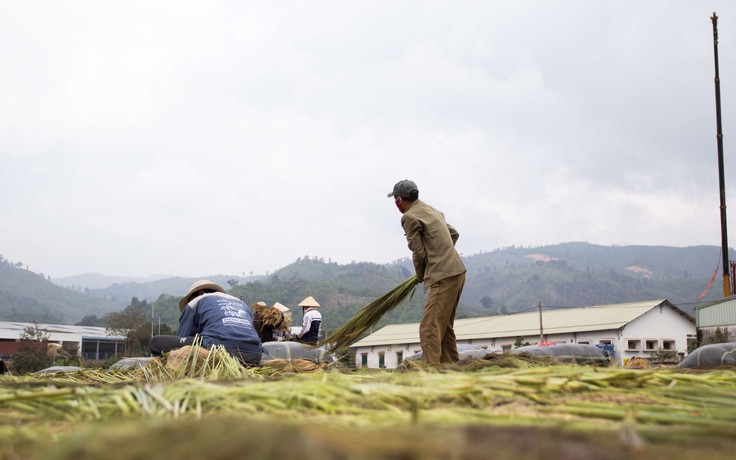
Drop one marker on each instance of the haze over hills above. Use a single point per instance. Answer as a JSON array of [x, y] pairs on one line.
[[98, 281], [582, 274], [27, 296], [500, 281]]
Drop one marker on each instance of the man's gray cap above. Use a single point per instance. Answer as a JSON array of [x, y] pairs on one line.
[[404, 189]]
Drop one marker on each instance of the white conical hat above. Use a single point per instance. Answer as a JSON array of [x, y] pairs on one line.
[[280, 307], [309, 302]]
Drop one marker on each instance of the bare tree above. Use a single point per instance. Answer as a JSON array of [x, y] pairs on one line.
[[132, 324], [32, 354]]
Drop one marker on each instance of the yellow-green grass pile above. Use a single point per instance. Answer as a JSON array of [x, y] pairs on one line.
[[369, 315], [509, 407]]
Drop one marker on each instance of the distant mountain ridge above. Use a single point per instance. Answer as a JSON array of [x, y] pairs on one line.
[[501, 281], [151, 290], [583, 274], [30, 297], [660, 261], [98, 281]]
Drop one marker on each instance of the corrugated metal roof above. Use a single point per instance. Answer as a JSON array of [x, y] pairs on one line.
[[716, 302], [12, 329], [718, 313], [560, 321]]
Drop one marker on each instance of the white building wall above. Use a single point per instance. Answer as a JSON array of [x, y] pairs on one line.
[[483, 343], [393, 355], [658, 329], [662, 325], [391, 359]]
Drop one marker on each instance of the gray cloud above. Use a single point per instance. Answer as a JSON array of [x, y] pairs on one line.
[[196, 138]]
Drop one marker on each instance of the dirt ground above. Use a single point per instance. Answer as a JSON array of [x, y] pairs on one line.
[[240, 437]]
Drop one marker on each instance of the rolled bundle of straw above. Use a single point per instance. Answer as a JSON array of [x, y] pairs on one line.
[[369, 315], [269, 315], [293, 365]]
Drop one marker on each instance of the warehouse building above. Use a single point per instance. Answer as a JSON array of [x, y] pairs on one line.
[[89, 342], [649, 329], [716, 321]]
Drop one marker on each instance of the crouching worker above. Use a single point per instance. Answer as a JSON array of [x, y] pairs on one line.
[[271, 323], [218, 319]]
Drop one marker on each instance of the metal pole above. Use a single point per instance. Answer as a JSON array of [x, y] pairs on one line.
[[541, 329], [152, 318], [721, 177]]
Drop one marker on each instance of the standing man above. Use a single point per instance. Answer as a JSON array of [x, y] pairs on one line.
[[438, 265], [217, 318]]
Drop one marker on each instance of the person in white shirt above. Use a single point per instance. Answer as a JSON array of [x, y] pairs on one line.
[[311, 323]]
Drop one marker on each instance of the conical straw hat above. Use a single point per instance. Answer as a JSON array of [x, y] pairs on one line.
[[201, 284], [309, 302], [280, 307]]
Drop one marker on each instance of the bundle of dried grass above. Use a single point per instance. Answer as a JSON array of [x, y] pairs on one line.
[[369, 315], [196, 361], [637, 363], [273, 317], [598, 398], [193, 356], [294, 365]]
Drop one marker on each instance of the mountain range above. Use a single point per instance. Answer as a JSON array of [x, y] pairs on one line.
[[501, 281]]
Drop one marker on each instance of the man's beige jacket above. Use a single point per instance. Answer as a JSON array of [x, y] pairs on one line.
[[432, 244]]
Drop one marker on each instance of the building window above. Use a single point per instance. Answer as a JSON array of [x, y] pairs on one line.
[[506, 348], [651, 344], [584, 342], [633, 345], [364, 360], [605, 342], [668, 345], [102, 349], [381, 360], [399, 357]]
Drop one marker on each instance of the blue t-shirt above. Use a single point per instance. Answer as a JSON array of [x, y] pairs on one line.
[[221, 319]]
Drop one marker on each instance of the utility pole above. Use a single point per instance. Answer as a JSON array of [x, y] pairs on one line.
[[152, 317], [721, 177], [541, 329]]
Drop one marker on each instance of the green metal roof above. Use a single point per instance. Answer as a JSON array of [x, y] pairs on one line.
[[559, 321]]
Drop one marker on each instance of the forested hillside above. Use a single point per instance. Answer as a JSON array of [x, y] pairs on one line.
[[502, 281], [581, 274], [30, 297], [341, 290]]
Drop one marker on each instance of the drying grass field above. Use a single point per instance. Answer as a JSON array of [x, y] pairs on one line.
[[504, 408]]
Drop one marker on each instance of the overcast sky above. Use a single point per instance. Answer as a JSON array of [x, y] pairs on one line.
[[229, 137]]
